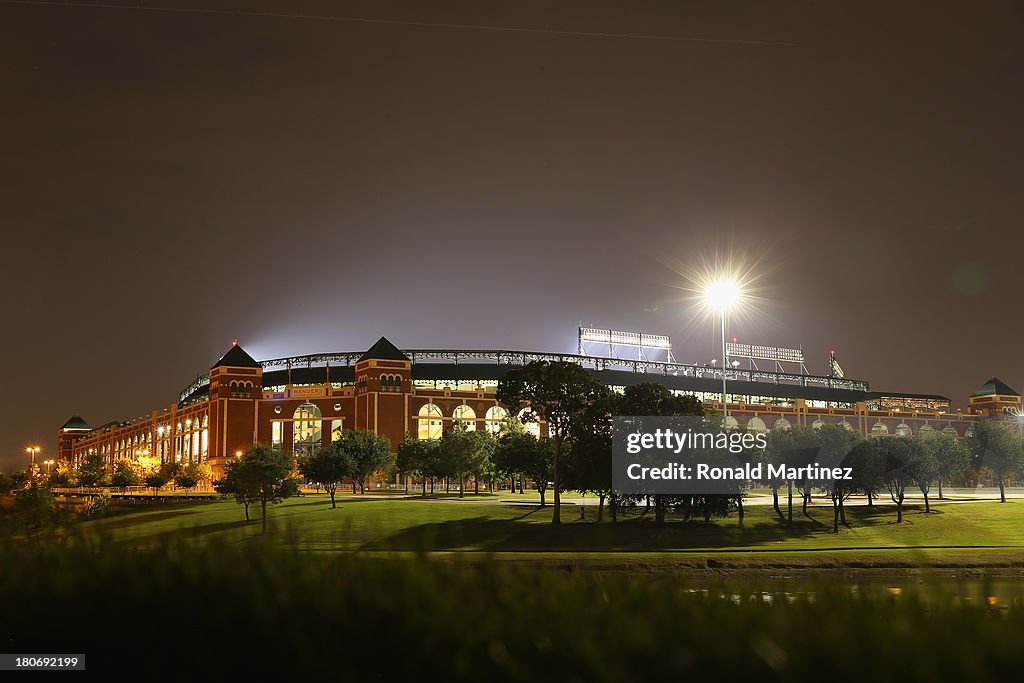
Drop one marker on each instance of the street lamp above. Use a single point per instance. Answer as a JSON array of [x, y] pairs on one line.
[[48, 463], [722, 295], [32, 451]]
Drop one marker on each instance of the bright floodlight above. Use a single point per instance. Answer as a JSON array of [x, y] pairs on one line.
[[722, 295]]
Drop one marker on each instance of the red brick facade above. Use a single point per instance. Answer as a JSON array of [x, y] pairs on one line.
[[240, 412]]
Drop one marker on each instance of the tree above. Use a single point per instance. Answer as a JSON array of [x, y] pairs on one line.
[[588, 466], [186, 480], [503, 460], [35, 508], [408, 460], [63, 474], [900, 454], [156, 481], [484, 466], [557, 393], [6, 484], [367, 452], [418, 457], [328, 467], [170, 470], [200, 471], [656, 399], [836, 446], [263, 474], [92, 471], [782, 448], [462, 453], [20, 479], [939, 456], [954, 458], [124, 475], [868, 464], [146, 464], [240, 482], [799, 448], [532, 457], [997, 447]]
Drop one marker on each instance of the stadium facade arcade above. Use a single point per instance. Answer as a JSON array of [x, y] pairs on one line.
[[304, 402]]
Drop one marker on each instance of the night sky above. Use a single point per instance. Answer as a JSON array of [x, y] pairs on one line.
[[173, 180]]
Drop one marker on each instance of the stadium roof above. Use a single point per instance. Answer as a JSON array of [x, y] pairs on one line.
[[383, 350], [236, 357], [994, 387], [903, 394], [490, 371]]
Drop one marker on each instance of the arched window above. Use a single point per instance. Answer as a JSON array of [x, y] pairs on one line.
[[234, 389], [430, 426], [782, 424], [531, 426], [903, 429], [756, 424], [306, 429], [465, 416], [494, 418]]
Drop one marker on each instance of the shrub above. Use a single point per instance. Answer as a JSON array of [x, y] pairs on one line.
[[97, 507]]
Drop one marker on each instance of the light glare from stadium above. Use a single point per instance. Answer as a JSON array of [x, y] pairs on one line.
[[723, 294]]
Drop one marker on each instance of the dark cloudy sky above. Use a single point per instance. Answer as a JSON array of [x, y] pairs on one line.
[[172, 180]]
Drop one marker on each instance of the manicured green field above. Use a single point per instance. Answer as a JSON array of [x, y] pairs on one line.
[[953, 535]]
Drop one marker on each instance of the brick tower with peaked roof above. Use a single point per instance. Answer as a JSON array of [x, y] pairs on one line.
[[236, 385], [995, 398], [383, 378], [72, 430]]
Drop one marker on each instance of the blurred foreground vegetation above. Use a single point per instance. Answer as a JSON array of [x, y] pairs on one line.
[[253, 607]]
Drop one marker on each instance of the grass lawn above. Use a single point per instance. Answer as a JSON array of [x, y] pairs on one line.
[[954, 535]]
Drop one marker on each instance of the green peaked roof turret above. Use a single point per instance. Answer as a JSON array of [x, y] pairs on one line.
[[383, 350], [236, 357], [995, 387], [76, 423]]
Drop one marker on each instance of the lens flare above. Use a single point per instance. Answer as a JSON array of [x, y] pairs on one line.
[[723, 294]]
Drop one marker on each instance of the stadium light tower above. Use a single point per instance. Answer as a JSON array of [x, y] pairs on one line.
[[722, 295]]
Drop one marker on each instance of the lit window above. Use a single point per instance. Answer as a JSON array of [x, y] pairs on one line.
[[493, 419], [430, 425], [465, 416], [529, 420], [306, 437]]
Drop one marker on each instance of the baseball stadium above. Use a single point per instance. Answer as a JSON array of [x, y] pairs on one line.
[[302, 403]]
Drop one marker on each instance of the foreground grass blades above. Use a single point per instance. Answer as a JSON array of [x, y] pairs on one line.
[[253, 607]]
